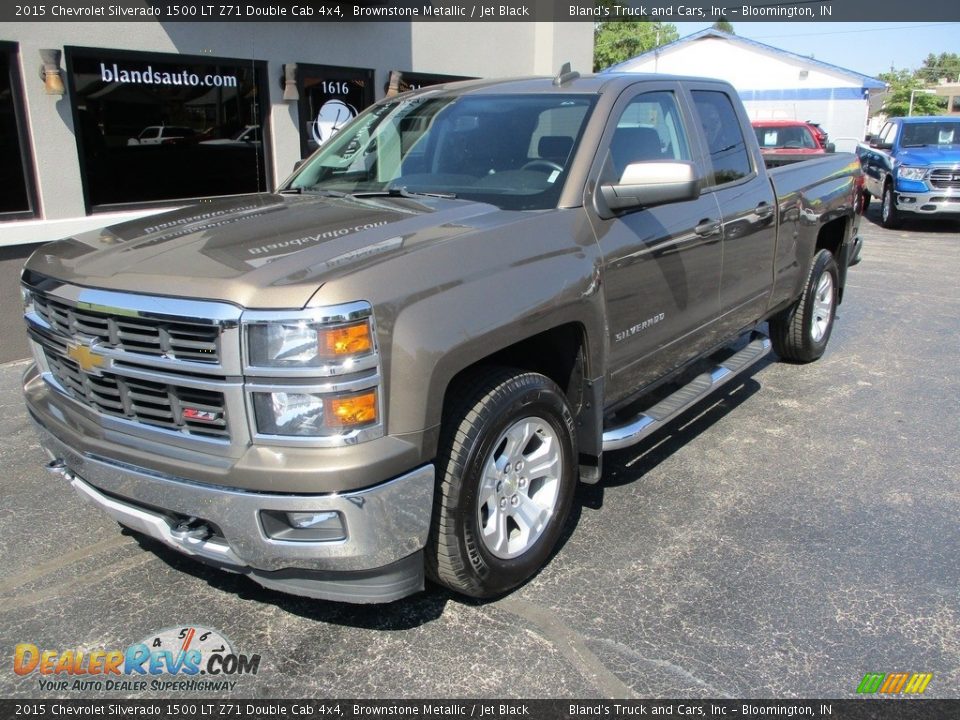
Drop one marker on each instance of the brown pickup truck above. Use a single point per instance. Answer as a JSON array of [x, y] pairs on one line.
[[399, 364]]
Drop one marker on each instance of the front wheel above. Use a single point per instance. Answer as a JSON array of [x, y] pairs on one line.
[[889, 215], [506, 477], [801, 332]]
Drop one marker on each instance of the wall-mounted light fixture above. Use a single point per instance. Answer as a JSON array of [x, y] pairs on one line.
[[50, 72], [804, 74], [394, 83], [289, 79]]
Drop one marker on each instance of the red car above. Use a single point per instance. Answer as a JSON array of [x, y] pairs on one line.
[[786, 141]]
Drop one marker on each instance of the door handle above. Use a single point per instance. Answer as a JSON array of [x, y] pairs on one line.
[[763, 210], [706, 228]]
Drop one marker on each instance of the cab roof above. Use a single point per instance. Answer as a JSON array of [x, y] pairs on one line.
[[584, 84], [927, 119]]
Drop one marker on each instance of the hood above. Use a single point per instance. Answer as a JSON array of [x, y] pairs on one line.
[[258, 251], [930, 155]]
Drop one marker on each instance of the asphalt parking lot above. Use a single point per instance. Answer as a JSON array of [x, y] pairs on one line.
[[790, 535]]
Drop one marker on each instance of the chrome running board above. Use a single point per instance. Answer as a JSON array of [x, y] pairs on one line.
[[652, 419]]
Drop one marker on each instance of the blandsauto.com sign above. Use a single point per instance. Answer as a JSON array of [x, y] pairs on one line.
[[149, 76]]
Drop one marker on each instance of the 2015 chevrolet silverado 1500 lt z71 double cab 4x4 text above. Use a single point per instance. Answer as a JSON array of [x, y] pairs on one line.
[[400, 363]]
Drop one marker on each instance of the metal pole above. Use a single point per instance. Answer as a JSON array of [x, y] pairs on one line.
[[910, 110]]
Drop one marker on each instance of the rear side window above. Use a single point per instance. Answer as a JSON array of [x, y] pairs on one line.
[[729, 158]]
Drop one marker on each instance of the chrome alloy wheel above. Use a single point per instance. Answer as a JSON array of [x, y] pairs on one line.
[[887, 208], [822, 308], [519, 488]]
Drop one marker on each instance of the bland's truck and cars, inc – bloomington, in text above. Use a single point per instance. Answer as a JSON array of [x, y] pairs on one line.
[[400, 364]]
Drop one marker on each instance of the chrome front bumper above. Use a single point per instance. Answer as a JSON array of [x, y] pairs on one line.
[[929, 203], [386, 525]]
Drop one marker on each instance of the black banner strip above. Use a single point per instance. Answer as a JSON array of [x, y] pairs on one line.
[[502, 11]]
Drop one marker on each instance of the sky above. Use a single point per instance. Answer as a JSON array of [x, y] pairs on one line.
[[867, 48]]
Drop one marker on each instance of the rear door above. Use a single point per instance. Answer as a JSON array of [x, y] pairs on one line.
[[738, 182], [661, 265]]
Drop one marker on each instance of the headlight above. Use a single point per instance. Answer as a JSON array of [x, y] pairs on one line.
[[314, 415], [304, 344], [313, 376], [309, 339], [911, 173]]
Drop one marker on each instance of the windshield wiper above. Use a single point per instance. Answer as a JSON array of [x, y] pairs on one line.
[[403, 192], [313, 191]]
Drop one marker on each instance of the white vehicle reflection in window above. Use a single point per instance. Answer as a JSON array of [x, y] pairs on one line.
[[162, 135], [333, 115], [249, 135]]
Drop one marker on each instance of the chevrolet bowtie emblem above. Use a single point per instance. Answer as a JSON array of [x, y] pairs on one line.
[[83, 356]]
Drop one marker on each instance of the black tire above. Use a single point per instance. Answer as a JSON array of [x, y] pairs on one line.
[[801, 332], [487, 405], [889, 215]]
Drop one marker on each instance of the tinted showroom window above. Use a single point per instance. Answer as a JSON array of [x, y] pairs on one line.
[[15, 173], [153, 127], [330, 97]]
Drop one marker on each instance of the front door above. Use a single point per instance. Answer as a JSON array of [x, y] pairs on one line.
[[661, 265]]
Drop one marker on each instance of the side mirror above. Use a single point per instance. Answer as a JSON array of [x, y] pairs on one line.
[[297, 164], [877, 145], [645, 184], [830, 148]]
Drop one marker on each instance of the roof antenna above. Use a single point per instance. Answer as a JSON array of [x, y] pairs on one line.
[[565, 75]]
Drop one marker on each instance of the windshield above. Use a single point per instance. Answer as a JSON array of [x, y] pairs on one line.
[[932, 133], [512, 151], [785, 136]]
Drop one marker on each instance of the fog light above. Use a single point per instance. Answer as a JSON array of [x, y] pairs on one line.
[[315, 526]]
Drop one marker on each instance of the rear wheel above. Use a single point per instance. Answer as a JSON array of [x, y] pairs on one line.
[[889, 215], [801, 332], [506, 476]]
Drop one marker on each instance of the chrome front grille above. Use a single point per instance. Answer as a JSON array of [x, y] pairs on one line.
[[143, 364], [192, 411], [945, 178], [169, 339]]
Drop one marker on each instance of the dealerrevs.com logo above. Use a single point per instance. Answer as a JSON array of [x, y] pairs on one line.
[[175, 659]]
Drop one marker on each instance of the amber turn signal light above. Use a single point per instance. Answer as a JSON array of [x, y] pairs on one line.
[[349, 411], [353, 339]]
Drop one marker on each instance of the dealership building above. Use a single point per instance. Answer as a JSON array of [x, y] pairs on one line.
[[774, 84], [126, 119]]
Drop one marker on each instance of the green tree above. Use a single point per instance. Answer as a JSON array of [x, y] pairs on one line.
[[724, 26], [937, 67], [897, 101], [620, 39]]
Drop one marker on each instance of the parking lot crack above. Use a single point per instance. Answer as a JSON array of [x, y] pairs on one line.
[[666, 665], [16, 602], [571, 645], [45, 568]]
